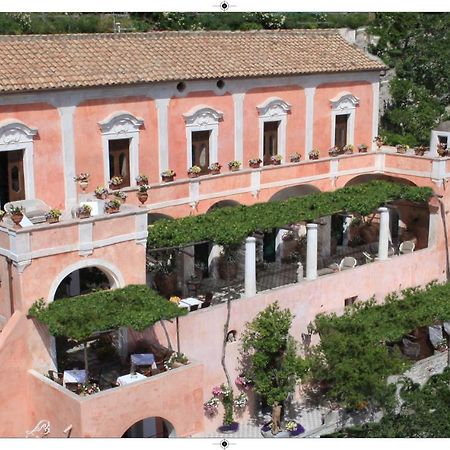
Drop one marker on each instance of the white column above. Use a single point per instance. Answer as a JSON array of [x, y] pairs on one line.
[[311, 251], [433, 145], [375, 113], [250, 267], [279, 245], [309, 120], [346, 230], [162, 106], [238, 100], [383, 243]]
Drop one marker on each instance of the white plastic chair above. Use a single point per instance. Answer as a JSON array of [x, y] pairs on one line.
[[406, 247], [347, 263]]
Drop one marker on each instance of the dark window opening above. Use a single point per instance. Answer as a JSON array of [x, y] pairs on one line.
[[200, 149], [270, 141], [340, 134], [119, 160], [350, 301], [12, 181]]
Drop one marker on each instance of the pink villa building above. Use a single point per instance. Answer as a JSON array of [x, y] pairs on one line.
[[142, 103]]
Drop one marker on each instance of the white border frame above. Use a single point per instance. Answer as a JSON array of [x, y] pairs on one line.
[[273, 109], [344, 103], [121, 125], [203, 118], [15, 135]]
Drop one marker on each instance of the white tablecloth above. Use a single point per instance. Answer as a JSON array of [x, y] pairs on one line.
[[128, 379], [191, 301], [74, 376], [143, 359]]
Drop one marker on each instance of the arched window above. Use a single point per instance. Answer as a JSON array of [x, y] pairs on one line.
[[343, 108]]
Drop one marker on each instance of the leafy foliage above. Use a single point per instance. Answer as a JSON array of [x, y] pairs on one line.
[[231, 225], [424, 413], [269, 354], [353, 356], [134, 306]]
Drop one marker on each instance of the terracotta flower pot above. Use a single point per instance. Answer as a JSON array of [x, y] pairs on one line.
[[17, 218], [276, 163], [234, 169], [166, 284], [115, 187], [214, 172], [166, 178], [227, 270], [193, 175], [313, 156], [111, 210], [362, 150], [84, 185], [255, 165], [53, 220], [84, 215], [142, 197], [101, 196], [142, 183]]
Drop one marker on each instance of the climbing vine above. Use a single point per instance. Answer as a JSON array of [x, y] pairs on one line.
[[231, 225]]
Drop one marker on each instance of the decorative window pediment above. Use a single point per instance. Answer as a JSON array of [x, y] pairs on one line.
[[273, 107], [120, 123], [344, 100], [202, 116], [16, 132]]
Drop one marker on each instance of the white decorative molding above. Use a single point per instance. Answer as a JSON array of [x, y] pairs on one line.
[[202, 118], [273, 106], [375, 112], [41, 430], [344, 103], [309, 119], [121, 125], [273, 109], [238, 102], [162, 108], [15, 135], [202, 115]]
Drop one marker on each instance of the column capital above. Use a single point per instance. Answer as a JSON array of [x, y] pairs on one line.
[[250, 239], [311, 226], [382, 209]]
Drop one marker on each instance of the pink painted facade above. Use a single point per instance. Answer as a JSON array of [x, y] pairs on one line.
[[69, 140]]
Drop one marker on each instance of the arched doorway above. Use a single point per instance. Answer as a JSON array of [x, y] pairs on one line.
[[151, 427], [82, 281]]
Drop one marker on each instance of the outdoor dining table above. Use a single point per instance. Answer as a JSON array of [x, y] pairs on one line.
[[130, 378], [143, 359], [74, 376], [189, 301]]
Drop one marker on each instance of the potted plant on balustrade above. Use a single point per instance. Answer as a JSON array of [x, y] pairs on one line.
[[402, 148], [295, 157], [441, 149], [53, 216], [348, 149], [89, 389], [379, 141], [101, 192], [116, 182], [214, 168], [228, 262], [313, 154], [142, 193], [168, 175], [276, 160], [254, 163], [82, 180], [84, 211], [16, 213], [224, 394], [362, 148], [234, 165], [163, 266], [141, 179], [176, 360], [194, 171], [121, 196], [112, 206], [420, 150], [333, 152]]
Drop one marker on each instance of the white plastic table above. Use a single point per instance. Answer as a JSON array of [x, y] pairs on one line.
[[190, 301], [74, 376], [129, 378], [143, 359]]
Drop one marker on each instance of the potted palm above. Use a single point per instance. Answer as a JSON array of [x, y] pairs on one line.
[[234, 166], [254, 163], [116, 182], [313, 154], [194, 171], [141, 179], [101, 192], [112, 206], [53, 216], [276, 160], [83, 180], [214, 168], [84, 211], [168, 175], [295, 157], [142, 194], [16, 213]]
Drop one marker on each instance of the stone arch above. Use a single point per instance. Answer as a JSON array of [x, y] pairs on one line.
[[223, 204], [359, 179], [115, 277], [170, 428], [153, 217], [294, 191]]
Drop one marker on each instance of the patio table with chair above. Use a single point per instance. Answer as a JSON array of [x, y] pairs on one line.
[[130, 378], [190, 302]]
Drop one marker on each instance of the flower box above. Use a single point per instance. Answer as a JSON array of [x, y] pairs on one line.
[[167, 178]]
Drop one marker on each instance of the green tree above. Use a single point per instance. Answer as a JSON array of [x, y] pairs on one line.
[[269, 358]]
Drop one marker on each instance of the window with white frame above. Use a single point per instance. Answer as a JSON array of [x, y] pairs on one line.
[[272, 128], [16, 161], [343, 111], [120, 138], [202, 131]]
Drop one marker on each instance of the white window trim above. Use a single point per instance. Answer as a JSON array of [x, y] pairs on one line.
[[435, 140], [273, 110], [203, 118], [344, 103], [121, 125], [15, 135]]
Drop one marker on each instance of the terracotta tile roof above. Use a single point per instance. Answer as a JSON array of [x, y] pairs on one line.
[[35, 62]]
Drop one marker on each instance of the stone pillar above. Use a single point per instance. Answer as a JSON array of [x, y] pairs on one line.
[[311, 251], [250, 267], [383, 242]]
